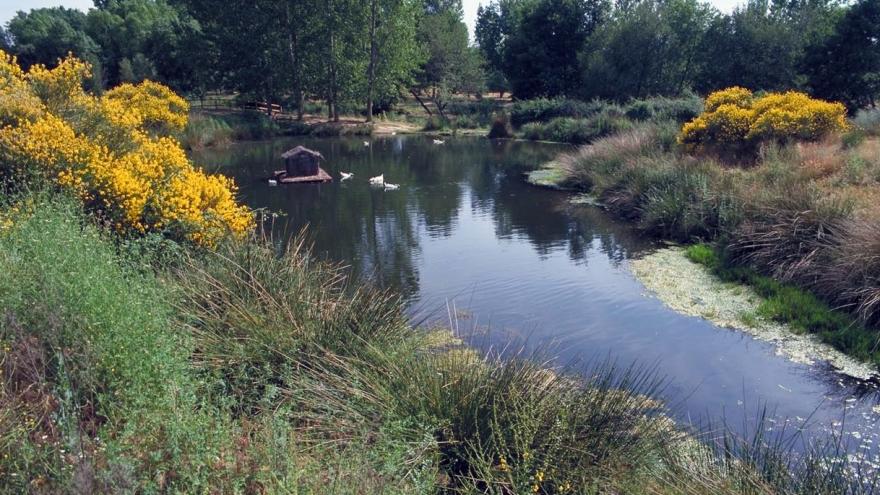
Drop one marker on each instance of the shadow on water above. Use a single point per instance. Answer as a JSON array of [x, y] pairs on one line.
[[465, 231]]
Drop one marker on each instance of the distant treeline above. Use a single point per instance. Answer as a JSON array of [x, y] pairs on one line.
[[364, 55], [634, 48]]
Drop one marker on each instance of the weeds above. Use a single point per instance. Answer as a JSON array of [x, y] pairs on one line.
[[792, 306], [257, 368]]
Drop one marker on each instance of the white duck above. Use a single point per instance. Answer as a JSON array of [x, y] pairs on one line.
[[366, 143], [391, 187], [379, 179], [346, 175], [438, 141], [273, 182]]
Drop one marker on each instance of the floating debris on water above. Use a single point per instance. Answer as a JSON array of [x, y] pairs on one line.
[[690, 289]]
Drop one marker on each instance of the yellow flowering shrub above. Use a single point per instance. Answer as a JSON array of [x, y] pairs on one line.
[[155, 106], [735, 117], [736, 96], [116, 153]]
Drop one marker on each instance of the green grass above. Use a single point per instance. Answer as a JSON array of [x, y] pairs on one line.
[[258, 369], [77, 323], [576, 130], [793, 306]]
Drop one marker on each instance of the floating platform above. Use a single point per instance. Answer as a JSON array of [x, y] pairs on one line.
[[283, 178]]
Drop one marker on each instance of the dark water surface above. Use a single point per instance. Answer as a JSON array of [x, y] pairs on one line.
[[465, 232]]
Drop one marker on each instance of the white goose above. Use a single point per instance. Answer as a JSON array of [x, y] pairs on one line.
[[346, 175], [379, 179], [438, 141], [391, 187]]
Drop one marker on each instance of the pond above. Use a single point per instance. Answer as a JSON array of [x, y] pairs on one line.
[[466, 241]]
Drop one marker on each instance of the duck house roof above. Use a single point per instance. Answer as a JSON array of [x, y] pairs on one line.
[[301, 151]]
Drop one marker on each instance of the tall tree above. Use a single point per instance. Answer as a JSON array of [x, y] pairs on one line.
[[648, 47], [444, 36], [46, 35], [846, 66], [541, 53], [393, 51], [762, 44], [491, 32]]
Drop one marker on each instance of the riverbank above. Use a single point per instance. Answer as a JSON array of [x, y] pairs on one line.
[[243, 370], [803, 214], [693, 289], [545, 120]]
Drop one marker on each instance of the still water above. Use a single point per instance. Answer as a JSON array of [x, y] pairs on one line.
[[465, 236]]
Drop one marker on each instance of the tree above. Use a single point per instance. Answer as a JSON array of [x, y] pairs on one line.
[[491, 32], [43, 36], [846, 66], [541, 52], [648, 47], [762, 45], [444, 37], [393, 52]]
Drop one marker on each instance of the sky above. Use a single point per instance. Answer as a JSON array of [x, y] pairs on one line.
[[8, 8]]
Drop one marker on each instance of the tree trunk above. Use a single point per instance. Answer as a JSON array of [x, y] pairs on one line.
[[374, 55], [422, 103], [293, 50]]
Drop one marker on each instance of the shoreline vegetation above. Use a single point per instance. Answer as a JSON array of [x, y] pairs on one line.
[[556, 120], [154, 342], [794, 218], [688, 286]]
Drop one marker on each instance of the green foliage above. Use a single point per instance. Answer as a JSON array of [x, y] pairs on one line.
[[544, 110], [576, 131], [125, 41], [868, 120], [500, 127], [434, 123], [793, 306], [680, 109], [703, 254], [845, 66], [77, 322], [538, 63], [646, 48], [203, 131]]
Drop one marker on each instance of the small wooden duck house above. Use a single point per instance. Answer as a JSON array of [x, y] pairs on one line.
[[301, 165], [301, 161]]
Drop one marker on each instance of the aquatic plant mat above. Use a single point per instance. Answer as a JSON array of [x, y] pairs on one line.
[[692, 289]]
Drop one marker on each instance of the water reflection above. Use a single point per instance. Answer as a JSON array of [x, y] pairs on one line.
[[464, 227]]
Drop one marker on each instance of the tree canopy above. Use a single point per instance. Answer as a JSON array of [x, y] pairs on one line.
[[363, 55]]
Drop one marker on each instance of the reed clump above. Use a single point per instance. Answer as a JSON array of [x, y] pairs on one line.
[[800, 212]]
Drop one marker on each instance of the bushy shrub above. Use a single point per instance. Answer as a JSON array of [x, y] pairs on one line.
[[500, 127], [203, 131], [434, 123], [661, 108], [735, 118], [868, 120], [479, 111], [117, 153], [544, 110], [251, 124], [465, 122], [576, 131]]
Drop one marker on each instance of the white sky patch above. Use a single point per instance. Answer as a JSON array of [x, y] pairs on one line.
[[8, 8]]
